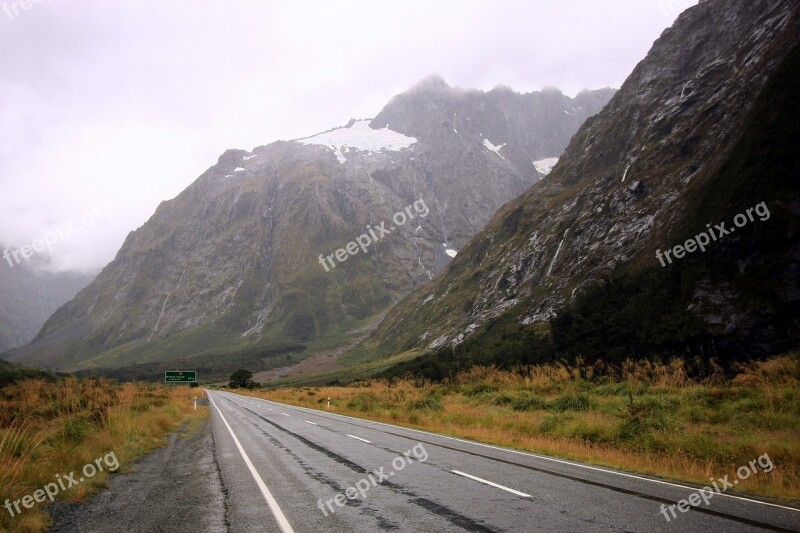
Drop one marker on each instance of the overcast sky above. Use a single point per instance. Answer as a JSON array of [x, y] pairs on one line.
[[109, 107]]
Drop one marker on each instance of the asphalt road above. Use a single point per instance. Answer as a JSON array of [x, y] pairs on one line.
[[282, 468]]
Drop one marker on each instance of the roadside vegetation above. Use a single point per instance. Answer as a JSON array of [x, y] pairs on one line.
[[56, 426], [683, 420], [243, 379]]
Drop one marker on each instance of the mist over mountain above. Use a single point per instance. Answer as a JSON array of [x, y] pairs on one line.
[[244, 260], [29, 294]]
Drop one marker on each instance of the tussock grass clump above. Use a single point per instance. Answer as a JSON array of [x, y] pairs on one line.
[[480, 389], [428, 402], [503, 399], [573, 402], [653, 415], [528, 403], [553, 422], [365, 402]]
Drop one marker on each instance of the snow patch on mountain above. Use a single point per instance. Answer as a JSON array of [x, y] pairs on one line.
[[496, 149], [359, 135], [544, 166]]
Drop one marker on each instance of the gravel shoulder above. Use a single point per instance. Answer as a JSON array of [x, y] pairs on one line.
[[175, 488]]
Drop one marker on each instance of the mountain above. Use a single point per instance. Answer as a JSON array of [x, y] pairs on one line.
[[251, 261], [29, 295], [703, 132]]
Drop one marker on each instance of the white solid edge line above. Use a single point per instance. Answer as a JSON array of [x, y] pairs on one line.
[[310, 422], [476, 478], [544, 457], [283, 523], [359, 438]]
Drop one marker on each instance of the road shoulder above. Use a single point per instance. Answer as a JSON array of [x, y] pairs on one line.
[[147, 499]]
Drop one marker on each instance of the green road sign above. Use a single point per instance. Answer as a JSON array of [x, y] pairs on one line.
[[180, 376]]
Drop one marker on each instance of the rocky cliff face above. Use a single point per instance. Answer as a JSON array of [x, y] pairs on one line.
[[247, 254], [652, 169]]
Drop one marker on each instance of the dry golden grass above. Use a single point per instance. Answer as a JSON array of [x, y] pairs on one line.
[[640, 416], [49, 428]]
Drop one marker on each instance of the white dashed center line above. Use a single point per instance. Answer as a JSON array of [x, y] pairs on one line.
[[512, 491]]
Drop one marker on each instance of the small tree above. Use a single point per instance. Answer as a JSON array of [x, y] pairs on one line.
[[242, 379]]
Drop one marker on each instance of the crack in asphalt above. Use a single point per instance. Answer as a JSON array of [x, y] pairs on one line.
[[225, 492]]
